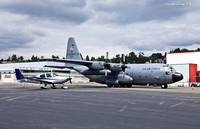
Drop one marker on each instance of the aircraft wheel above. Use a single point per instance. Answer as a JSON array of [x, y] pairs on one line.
[[43, 87], [109, 85], [64, 87], [122, 85], [53, 87], [193, 85], [164, 86], [129, 86], [116, 86]]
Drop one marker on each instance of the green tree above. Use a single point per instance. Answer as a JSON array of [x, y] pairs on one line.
[[21, 58], [157, 55], [131, 58], [54, 56], [34, 58], [93, 59], [177, 50], [87, 58], [102, 58], [8, 58], [14, 57], [116, 59]]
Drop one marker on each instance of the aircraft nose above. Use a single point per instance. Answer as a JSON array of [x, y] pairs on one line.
[[177, 77]]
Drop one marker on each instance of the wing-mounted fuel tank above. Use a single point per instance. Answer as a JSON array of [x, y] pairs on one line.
[[120, 79], [125, 79], [93, 72]]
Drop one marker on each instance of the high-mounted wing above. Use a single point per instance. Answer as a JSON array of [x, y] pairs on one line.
[[79, 62]]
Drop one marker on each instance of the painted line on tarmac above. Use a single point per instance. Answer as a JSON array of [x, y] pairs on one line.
[[175, 105], [162, 102], [123, 108], [5, 97], [11, 99]]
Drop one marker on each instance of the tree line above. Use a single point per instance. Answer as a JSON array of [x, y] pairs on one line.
[[17, 59], [130, 58]]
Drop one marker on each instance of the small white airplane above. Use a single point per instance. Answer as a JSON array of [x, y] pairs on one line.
[[47, 78]]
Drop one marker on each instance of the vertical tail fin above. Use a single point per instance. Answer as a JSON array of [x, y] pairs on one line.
[[19, 75], [72, 50]]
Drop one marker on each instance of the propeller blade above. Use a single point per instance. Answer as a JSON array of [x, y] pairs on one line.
[[106, 66], [70, 80], [123, 69], [123, 59]]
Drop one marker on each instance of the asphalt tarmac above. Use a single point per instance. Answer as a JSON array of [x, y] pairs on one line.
[[98, 107]]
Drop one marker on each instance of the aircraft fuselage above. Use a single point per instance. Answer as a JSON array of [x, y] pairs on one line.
[[142, 74]]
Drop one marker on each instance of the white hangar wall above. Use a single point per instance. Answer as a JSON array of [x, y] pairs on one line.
[[184, 58], [187, 63]]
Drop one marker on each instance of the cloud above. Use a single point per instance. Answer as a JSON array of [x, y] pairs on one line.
[[66, 11], [43, 27], [121, 12]]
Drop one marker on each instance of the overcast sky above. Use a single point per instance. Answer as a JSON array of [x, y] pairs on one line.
[[42, 27]]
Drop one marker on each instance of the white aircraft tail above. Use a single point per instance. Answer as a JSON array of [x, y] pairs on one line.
[[72, 50]]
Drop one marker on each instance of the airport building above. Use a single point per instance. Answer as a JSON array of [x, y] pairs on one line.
[[187, 63], [7, 71]]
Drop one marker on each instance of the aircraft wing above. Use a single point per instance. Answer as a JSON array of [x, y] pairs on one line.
[[78, 62], [34, 79], [59, 67]]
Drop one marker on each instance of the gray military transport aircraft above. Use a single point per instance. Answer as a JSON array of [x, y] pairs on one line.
[[115, 74]]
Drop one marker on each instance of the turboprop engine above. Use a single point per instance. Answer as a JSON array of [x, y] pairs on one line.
[[121, 80], [125, 79]]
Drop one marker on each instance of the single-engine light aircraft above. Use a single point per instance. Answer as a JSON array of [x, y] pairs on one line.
[[115, 74], [46, 78]]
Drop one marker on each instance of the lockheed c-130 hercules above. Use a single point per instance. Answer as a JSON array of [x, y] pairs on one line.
[[115, 74]]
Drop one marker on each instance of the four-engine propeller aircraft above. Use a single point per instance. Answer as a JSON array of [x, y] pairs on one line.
[[114, 74], [47, 78]]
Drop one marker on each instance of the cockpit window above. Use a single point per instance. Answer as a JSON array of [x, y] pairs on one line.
[[166, 65], [43, 75], [167, 73], [54, 74], [48, 75], [166, 68]]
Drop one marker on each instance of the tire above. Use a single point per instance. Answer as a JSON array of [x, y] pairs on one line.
[[193, 85], [109, 85], [164, 86], [122, 85], [129, 86]]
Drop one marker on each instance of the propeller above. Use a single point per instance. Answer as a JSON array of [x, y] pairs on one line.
[[106, 65], [123, 66], [70, 80]]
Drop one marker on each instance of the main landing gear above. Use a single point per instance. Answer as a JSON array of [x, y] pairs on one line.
[[53, 86], [44, 87], [164, 86], [128, 86], [64, 87]]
